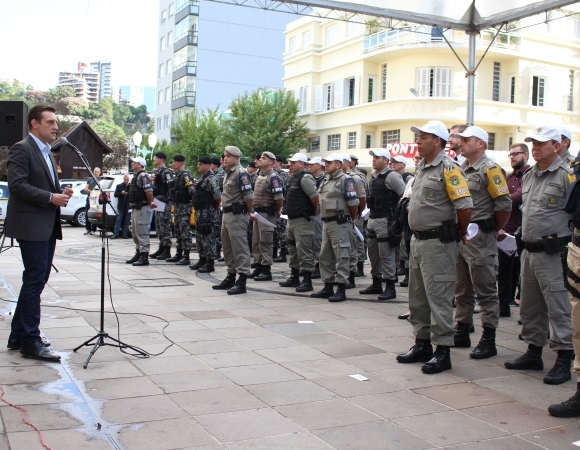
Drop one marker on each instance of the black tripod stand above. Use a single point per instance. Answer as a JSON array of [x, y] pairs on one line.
[[100, 338]]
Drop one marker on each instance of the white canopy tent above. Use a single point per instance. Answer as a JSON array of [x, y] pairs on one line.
[[468, 15]]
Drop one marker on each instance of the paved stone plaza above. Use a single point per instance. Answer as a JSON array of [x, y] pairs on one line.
[[245, 374]]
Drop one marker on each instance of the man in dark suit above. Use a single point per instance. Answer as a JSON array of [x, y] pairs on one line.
[[33, 218], [123, 218]]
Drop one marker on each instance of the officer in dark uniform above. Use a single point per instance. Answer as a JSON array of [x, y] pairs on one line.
[[161, 178], [219, 173], [281, 235]]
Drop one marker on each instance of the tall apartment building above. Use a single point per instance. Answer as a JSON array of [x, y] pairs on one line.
[[86, 84], [137, 96], [104, 69], [361, 88], [211, 52]]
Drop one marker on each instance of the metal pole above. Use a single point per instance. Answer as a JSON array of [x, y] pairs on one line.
[[471, 76]]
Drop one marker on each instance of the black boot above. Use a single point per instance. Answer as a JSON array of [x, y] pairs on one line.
[[504, 309], [462, 335], [531, 360], [316, 273], [422, 351], [326, 292], [405, 282], [375, 288], [160, 250], [568, 408], [441, 361], [177, 256], [560, 373], [390, 291], [340, 295], [227, 283], [199, 264], [401, 268], [185, 260], [486, 347], [135, 258], [257, 271], [274, 252], [306, 285], [471, 327], [360, 269], [282, 257], [293, 280], [350, 284], [143, 260], [253, 265], [208, 267], [266, 274], [166, 253], [239, 287]]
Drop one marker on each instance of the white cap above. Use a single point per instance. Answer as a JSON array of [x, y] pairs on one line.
[[474, 131], [333, 157], [433, 127], [299, 157], [345, 157], [380, 152], [566, 132], [140, 160], [545, 134], [316, 160], [400, 159]]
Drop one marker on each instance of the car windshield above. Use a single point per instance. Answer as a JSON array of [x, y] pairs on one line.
[[106, 183], [4, 191]]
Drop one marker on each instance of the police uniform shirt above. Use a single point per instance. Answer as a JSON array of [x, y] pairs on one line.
[[283, 176], [361, 188], [167, 175], [543, 196], [237, 186], [144, 181], [268, 189], [488, 188], [438, 190], [343, 191], [210, 183], [394, 181], [308, 184], [319, 179], [567, 157], [185, 180]]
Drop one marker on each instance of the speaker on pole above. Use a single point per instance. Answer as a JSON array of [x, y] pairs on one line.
[[13, 122]]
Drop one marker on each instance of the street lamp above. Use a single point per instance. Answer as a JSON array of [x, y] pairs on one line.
[[152, 140], [137, 138]]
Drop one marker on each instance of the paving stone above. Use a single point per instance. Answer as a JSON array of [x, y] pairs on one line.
[[292, 329], [59, 440], [99, 370], [290, 354], [261, 373], [172, 364], [321, 368], [346, 349], [471, 370], [190, 381], [244, 332], [290, 392], [141, 409], [217, 346], [411, 377], [556, 438], [263, 342], [37, 373], [507, 443], [302, 441], [346, 386], [122, 388], [232, 359], [522, 386], [396, 404], [45, 417], [213, 401], [374, 363], [320, 338], [464, 395]]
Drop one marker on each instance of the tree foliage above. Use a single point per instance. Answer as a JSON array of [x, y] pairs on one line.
[[114, 137], [13, 91]]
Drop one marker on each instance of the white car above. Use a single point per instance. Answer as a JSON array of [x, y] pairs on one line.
[[108, 184], [74, 211], [4, 194]]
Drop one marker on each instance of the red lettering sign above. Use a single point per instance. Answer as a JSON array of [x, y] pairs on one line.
[[410, 150]]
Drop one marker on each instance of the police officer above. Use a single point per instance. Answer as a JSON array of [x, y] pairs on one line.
[[300, 207], [316, 167], [281, 235], [237, 201], [253, 172], [219, 173], [360, 223], [440, 195], [476, 273], [564, 152], [544, 232], [141, 202], [206, 200], [181, 189], [161, 181], [338, 206], [385, 190], [268, 198]]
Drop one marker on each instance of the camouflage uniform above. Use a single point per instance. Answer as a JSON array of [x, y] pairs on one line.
[[181, 190], [281, 234], [220, 173], [207, 217], [163, 218]]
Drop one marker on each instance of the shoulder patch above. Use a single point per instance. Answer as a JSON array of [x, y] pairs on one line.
[[349, 188], [146, 181], [245, 182], [276, 184], [496, 182], [455, 183]]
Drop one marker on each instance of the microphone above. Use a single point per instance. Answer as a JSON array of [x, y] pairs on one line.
[[64, 141]]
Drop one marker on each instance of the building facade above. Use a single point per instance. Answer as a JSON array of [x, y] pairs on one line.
[[209, 53], [91, 83], [137, 96], [104, 69], [360, 87]]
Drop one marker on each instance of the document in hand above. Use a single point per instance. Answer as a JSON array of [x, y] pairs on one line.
[[260, 219], [160, 205], [508, 245]]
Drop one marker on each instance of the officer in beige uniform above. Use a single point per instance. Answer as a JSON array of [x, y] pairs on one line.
[[439, 212], [360, 223], [338, 205], [564, 152], [476, 273], [544, 232], [268, 199], [237, 201], [316, 167]]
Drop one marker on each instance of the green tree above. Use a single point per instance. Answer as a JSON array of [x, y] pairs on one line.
[[114, 137], [14, 91], [122, 114], [56, 94]]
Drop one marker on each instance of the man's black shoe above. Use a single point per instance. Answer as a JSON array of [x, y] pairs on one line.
[[114, 237], [461, 336], [208, 267], [422, 351], [36, 350], [306, 285], [340, 295], [282, 257], [531, 360], [157, 253], [486, 347], [390, 291], [136, 257], [14, 343], [265, 275], [316, 273], [375, 288], [185, 261], [326, 292], [441, 361], [561, 372], [505, 312], [568, 408], [350, 283], [199, 264], [405, 282], [360, 269], [239, 287], [228, 282], [293, 280], [143, 260]]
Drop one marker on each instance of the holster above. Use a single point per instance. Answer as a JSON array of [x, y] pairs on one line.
[[519, 242], [449, 232], [238, 208], [486, 225], [341, 217], [552, 244]]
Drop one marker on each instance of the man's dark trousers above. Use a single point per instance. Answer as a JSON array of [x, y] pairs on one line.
[[508, 278]]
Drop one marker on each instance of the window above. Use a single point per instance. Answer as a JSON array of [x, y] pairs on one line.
[[512, 89], [158, 124], [327, 92], [315, 144], [391, 137], [369, 141], [305, 40], [167, 94], [169, 38], [371, 90], [352, 139], [166, 122], [570, 105], [162, 43], [354, 29], [171, 9], [159, 97], [291, 45], [434, 82], [384, 82], [330, 35], [302, 98], [350, 87], [491, 141], [168, 66], [538, 91], [496, 71], [163, 16], [160, 70], [333, 142]]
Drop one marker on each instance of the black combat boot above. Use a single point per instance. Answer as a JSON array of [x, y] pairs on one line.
[[239, 287], [486, 347], [316, 273], [266, 274], [375, 288], [207, 267], [531, 360], [227, 283], [471, 327], [441, 361], [306, 285], [185, 260], [560, 373], [422, 351], [135, 258], [177, 256], [253, 265], [401, 268], [143, 260], [326, 292], [257, 271], [360, 269], [350, 284], [282, 257], [274, 252], [160, 250], [568, 408], [199, 264], [166, 253], [405, 282], [293, 280], [340, 295], [461, 337], [390, 291]]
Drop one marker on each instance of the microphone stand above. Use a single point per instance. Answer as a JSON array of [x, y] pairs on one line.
[[102, 335]]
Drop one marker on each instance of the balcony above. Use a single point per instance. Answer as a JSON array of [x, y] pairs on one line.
[[185, 68], [187, 38], [185, 9], [183, 98]]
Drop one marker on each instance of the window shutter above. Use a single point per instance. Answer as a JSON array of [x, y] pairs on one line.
[[318, 98], [304, 99], [338, 93], [357, 90], [423, 81]]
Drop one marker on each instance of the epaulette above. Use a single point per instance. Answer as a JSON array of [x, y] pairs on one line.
[[566, 166], [490, 163], [448, 162]]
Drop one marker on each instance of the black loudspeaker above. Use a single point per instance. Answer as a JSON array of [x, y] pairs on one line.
[[13, 122]]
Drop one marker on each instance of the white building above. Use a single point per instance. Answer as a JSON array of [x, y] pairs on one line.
[[104, 69]]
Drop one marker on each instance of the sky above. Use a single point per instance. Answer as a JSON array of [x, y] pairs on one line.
[[40, 38]]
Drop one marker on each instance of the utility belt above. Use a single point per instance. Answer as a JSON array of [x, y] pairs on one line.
[[304, 214], [270, 210], [486, 225], [135, 206], [181, 197], [446, 233], [236, 209], [550, 244], [340, 218]]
